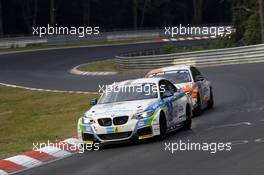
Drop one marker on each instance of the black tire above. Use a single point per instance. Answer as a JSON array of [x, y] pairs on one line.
[[163, 126], [198, 110], [211, 100], [187, 124]]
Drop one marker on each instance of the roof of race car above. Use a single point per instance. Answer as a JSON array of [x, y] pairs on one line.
[[169, 68], [137, 81]]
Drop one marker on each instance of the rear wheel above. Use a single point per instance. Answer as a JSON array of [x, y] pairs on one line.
[[187, 124], [162, 126], [198, 110], [211, 100]]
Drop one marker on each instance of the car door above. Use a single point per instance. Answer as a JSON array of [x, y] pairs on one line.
[[169, 98]]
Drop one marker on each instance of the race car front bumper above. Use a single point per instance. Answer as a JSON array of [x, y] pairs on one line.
[[137, 129]]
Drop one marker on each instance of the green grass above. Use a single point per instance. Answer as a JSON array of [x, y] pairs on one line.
[[32, 116], [85, 43], [109, 65], [101, 66]]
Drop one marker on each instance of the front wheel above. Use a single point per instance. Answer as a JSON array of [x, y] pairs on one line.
[[187, 124], [162, 126], [198, 109]]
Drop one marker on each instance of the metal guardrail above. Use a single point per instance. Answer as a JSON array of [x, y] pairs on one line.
[[74, 39], [253, 53]]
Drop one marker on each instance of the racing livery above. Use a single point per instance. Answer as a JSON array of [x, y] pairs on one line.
[[190, 81], [154, 108]]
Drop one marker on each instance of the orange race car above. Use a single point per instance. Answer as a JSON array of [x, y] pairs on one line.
[[190, 81]]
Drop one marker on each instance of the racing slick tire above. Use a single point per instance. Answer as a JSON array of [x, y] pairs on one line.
[[211, 100], [162, 126], [198, 110], [187, 124]]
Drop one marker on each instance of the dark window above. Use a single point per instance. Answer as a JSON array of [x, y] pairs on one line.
[[166, 86], [195, 72]]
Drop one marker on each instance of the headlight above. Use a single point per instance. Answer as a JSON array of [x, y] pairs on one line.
[[87, 120], [143, 114]]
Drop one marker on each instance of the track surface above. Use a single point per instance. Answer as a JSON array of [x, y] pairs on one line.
[[49, 69], [239, 97]]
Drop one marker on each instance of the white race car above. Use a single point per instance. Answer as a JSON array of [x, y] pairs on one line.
[[190, 81], [135, 109]]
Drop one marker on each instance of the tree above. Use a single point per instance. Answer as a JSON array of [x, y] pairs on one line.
[[1, 20], [261, 13], [143, 13], [29, 13], [135, 14], [197, 11], [86, 12], [52, 12]]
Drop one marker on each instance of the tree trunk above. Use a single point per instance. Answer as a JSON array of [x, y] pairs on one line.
[[135, 15], [52, 12], [86, 12], [143, 13], [261, 13], [197, 11], [1, 19], [35, 13]]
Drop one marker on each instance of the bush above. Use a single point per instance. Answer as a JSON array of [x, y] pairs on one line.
[[252, 33]]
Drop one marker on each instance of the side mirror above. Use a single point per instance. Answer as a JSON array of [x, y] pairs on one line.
[[199, 78], [93, 101]]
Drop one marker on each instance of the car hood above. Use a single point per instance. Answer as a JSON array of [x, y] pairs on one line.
[[119, 108]]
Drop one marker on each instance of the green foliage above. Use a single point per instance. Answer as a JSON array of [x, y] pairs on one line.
[[246, 21], [168, 48], [252, 33]]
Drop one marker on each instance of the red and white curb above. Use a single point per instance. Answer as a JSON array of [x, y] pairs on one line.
[[39, 157], [189, 38], [78, 72]]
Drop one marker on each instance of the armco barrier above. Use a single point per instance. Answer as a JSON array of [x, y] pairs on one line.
[[144, 34], [253, 53]]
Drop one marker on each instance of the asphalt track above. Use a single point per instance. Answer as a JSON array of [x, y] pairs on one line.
[[49, 69], [238, 117]]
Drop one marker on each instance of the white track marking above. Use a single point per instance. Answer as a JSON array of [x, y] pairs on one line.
[[25, 161], [230, 125], [78, 72], [54, 151], [260, 140], [239, 142], [46, 90], [2, 172]]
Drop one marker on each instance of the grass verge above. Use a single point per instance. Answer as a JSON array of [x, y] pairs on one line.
[[81, 44], [31, 116], [109, 65]]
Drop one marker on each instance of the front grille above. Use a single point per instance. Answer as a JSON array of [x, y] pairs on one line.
[[88, 137], [114, 136], [105, 121], [144, 131], [120, 120]]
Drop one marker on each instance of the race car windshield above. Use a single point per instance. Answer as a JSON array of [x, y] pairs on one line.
[[129, 93], [178, 76]]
